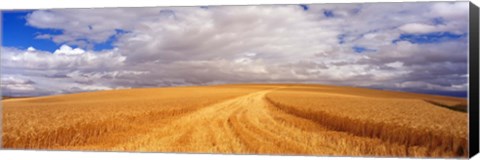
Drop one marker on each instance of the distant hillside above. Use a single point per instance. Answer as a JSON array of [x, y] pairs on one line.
[[10, 97]]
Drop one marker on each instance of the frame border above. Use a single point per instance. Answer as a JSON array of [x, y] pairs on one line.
[[473, 90]]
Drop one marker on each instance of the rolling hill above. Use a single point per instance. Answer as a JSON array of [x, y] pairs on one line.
[[287, 119]]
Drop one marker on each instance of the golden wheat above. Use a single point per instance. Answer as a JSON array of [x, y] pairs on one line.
[[246, 119], [403, 120]]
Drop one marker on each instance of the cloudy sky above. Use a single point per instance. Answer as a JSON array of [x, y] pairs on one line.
[[415, 47]]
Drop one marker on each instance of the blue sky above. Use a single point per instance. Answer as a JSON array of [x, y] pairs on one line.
[[17, 33], [304, 7], [433, 37], [360, 49], [415, 47]]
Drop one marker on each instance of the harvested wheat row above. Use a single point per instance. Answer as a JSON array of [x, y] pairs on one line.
[[438, 143], [54, 123]]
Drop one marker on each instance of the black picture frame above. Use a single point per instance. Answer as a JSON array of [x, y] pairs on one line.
[[473, 94]]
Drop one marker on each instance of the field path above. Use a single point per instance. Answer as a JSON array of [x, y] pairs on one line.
[[240, 125]]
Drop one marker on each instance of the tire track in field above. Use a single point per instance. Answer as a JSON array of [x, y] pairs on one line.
[[244, 125], [206, 130], [232, 126]]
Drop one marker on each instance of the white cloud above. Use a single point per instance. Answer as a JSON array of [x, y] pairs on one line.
[[233, 44], [17, 84], [418, 28], [450, 10], [395, 64], [63, 58], [43, 36], [33, 72], [67, 50], [30, 49], [420, 84]]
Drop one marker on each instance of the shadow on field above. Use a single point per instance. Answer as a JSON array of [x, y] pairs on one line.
[[456, 107]]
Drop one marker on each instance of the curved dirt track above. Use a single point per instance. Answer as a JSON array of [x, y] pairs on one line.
[[212, 129], [248, 125]]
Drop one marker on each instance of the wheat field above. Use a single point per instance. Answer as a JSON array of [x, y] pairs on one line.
[[282, 119]]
